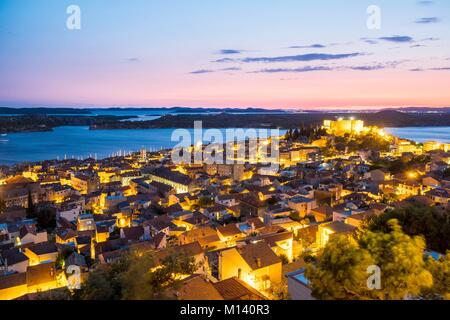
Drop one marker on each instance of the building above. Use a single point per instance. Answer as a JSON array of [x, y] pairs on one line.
[[255, 263], [180, 182], [84, 183], [434, 145], [298, 285], [330, 229], [302, 205], [343, 126], [252, 206]]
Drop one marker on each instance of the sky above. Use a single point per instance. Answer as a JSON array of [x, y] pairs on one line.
[[294, 54]]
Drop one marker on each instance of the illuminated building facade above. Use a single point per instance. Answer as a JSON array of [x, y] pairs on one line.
[[343, 126]]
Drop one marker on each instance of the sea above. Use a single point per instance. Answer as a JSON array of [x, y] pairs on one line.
[[80, 142], [422, 134]]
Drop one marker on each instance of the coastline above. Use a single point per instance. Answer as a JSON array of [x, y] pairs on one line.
[[386, 118]]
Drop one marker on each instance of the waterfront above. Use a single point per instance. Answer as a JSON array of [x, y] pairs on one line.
[[422, 134], [73, 141], [79, 141]]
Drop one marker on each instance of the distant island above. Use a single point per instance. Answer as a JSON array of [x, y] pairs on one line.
[[387, 118], [163, 110], [257, 119]]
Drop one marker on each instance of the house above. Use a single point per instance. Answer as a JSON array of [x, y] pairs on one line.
[[193, 250], [228, 200], [207, 237], [41, 277], [378, 175], [251, 206], [37, 278], [13, 286], [216, 212], [358, 219], [13, 260], [85, 222], [70, 212], [102, 233], [159, 241], [298, 285], [439, 196], [85, 183], [255, 263], [322, 213], [135, 234], [66, 236], [159, 224], [111, 256], [236, 289], [28, 234], [41, 252], [230, 233], [330, 229], [108, 246], [180, 182], [281, 243], [302, 205], [5, 236], [431, 181], [195, 287]]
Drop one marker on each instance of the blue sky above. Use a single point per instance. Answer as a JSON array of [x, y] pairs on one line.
[[287, 53]]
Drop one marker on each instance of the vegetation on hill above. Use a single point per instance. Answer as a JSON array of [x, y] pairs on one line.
[[136, 277], [430, 222], [348, 265]]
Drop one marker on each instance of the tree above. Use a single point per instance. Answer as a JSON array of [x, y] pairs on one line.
[[205, 201], [341, 270], [440, 269], [2, 205], [104, 283], [55, 294], [46, 218], [136, 277], [31, 210], [418, 219], [284, 259], [401, 260]]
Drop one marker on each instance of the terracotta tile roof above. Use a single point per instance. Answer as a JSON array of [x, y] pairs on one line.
[[190, 249], [196, 287], [257, 223], [172, 175], [133, 233], [41, 273], [43, 248], [13, 256], [229, 230], [66, 234], [272, 239], [236, 289], [159, 223], [258, 255], [13, 280], [339, 227]]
